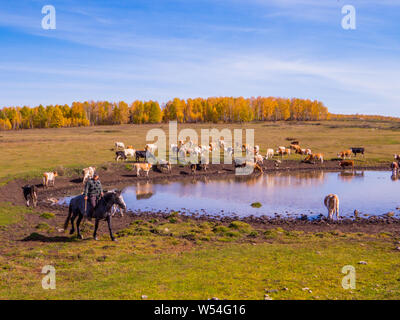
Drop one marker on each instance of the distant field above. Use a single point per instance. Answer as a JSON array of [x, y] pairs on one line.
[[30, 152]]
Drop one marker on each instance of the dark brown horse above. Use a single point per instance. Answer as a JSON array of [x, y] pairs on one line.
[[102, 211]]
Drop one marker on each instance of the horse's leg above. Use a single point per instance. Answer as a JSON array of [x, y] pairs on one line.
[[96, 225], [72, 224], [109, 228], [78, 222]]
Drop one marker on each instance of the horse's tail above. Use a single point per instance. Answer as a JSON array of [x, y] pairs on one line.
[[68, 217]]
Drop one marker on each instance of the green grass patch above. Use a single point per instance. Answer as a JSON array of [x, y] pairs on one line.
[[11, 214]]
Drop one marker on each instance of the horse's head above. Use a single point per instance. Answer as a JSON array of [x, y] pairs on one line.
[[119, 200]]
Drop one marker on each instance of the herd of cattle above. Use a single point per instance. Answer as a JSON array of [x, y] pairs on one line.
[[183, 150]]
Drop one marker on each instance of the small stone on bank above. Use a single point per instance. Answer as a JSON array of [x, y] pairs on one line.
[[362, 262]]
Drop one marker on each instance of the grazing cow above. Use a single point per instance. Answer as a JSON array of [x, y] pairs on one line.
[[270, 153], [88, 173], [120, 155], [397, 157], [309, 159], [119, 145], [395, 168], [151, 148], [49, 178], [284, 151], [346, 163], [296, 148], [358, 150], [30, 194], [344, 154], [140, 154], [164, 164], [142, 166], [331, 202]]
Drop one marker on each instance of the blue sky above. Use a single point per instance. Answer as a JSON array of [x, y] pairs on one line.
[[160, 49]]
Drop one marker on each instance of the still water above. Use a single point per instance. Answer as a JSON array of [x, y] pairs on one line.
[[288, 194]]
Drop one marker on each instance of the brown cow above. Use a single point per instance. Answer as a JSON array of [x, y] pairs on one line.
[[344, 154], [331, 202], [395, 168]]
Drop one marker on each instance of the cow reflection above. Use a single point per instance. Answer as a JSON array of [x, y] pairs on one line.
[[350, 175], [144, 191]]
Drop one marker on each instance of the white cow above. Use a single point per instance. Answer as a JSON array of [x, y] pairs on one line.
[[270, 153], [130, 153], [49, 178]]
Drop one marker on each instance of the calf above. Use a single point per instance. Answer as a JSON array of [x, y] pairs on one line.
[[346, 163], [30, 194], [331, 202], [358, 150], [142, 166], [49, 178], [88, 173]]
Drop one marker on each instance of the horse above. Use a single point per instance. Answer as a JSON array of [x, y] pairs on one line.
[[102, 211]]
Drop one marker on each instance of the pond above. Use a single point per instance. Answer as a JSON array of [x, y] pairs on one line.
[[283, 193]]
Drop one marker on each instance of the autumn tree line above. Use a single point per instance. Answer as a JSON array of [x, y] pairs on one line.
[[215, 109]]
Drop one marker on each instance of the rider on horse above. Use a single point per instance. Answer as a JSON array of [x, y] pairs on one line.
[[93, 192]]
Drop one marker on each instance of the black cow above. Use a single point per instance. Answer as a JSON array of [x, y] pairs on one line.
[[30, 194], [140, 154], [357, 150], [120, 155]]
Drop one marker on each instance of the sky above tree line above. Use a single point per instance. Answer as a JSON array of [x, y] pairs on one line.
[[161, 49]]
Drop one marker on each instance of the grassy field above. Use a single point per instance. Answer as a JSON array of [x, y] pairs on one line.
[[225, 262], [176, 259], [30, 152]]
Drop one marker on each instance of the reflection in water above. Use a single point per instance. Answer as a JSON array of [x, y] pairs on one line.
[[349, 175], [282, 192], [144, 190]]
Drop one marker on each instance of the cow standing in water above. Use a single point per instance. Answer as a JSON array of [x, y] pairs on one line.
[[395, 168], [331, 202]]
